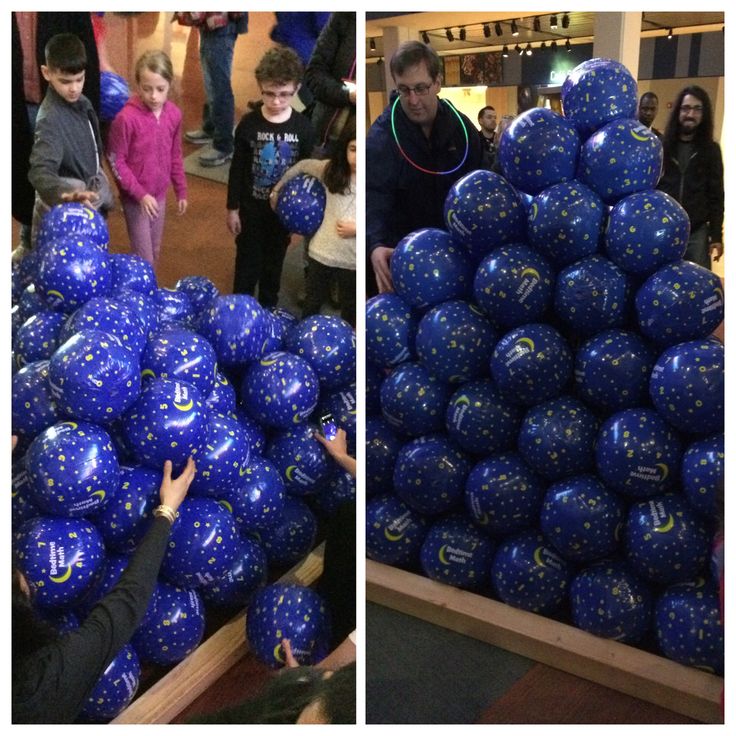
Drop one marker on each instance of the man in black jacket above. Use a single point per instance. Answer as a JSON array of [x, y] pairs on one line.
[[693, 173], [415, 151]]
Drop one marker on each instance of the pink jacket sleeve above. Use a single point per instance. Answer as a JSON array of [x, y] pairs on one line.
[[118, 142], [178, 177]]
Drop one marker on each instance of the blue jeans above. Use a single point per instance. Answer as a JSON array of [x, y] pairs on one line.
[[216, 57], [698, 247]]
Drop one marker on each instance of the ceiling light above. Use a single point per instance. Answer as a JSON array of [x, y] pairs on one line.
[[486, 30], [499, 30], [449, 35], [553, 22], [537, 25], [505, 52], [373, 44], [543, 46], [425, 37], [553, 45], [514, 29], [669, 33], [463, 35], [568, 47], [518, 49], [566, 21], [528, 49]]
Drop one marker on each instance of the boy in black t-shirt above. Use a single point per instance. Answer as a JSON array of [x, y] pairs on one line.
[[268, 141]]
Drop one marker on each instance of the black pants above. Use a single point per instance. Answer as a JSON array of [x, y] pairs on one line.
[[318, 280], [260, 251]]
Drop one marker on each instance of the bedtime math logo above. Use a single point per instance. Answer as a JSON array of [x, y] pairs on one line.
[[448, 555], [662, 521], [656, 474], [395, 530], [57, 563], [529, 280], [522, 347], [182, 400]]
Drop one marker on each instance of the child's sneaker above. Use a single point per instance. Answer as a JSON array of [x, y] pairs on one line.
[[198, 137], [214, 158]]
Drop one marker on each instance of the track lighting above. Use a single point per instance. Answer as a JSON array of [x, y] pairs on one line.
[[566, 21], [499, 30], [518, 49], [669, 33], [505, 52], [553, 46], [568, 46], [463, 35], [528, 49], [543, 46], [449, 35], [553, 22], [373, 44], [537, 24], [486, 30], [425, 37], [514, 29]]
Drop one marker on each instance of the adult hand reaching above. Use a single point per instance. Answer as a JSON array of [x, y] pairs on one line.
[[174, 490], [381, 260]]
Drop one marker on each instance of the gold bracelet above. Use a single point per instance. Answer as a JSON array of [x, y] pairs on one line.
[[166, 511]]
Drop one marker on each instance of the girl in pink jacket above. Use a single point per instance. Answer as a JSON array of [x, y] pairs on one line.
[[144, 150]]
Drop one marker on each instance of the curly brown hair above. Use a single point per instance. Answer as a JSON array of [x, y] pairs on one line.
[[280, 65]]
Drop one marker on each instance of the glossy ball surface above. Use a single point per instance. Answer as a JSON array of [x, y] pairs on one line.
[[394, 531], [390, 329], [301, 204]]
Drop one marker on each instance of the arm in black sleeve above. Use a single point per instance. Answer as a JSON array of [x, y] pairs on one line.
[[715, 196], [381, 184], [324, 74]]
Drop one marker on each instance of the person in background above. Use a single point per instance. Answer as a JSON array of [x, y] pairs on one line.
[[503, 125], [487, 133], [145, 155], [647, 112], [693, 173]]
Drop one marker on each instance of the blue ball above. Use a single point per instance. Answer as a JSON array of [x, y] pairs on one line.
[[168, 421], [686, 386], [414, 402], [174, 307], [291, 539], [608, 600], [71, 219], [181, 354], [557, 438], [237, 327], [327, 343], [22, 506], [394, 532], [539, 149], [429, 475], [527, 574], [173, 628], [566, 222], [612, 370], [480, 420], [201, 291], [222, 399], [114, 93], [31, 302], [115, 689], [703, 475], [38, 337], [288, 611], [303, 462], [60, 558], [382, 445], [503, 495], [373, 379], [483, 211], [132, 272], [390, 329], [679, 302], [142, 305], [236, 587], [72, 468], [532, 363], [281, 390], [591, 295], [255, 433], [455, 552], [428, 267], [301, 204], [596, 92], [33, 405], [689, 626], [115, 565], [665, 540], [275, 334], [621, 158], [258, 501], [582, 518], [513, 285], [203, 543], [646, 231], [638, 454], [340, 489]]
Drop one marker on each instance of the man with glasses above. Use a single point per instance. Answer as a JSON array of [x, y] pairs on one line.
[[693, 173], [415, 151]]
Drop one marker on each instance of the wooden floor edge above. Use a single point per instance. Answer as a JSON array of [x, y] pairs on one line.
[[205, 665], [684, 690]]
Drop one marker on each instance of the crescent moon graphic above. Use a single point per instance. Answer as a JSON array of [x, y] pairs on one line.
[[227, 505], [289, 471], [243, 470], [664, 528], [277, 653], [101, 494], [527, 341], [185, 407], [482, 519], [269, 362], [450, 216], [531, 272], [147, 372], [534, 211], [63, 578], [719, 292], [73, 425], [462, 400], [538, 557], [392, 537], [53, 292], [442, 557], [638, 137], [663, 469]]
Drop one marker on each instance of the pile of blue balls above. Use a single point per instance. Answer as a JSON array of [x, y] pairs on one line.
[[544, 391], [112, 376]]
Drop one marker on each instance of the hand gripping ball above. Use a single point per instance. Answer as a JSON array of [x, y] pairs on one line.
[[73, 468], [454, 342], [115, 689], [608, 600], [557, 438], [638, 454], [203, 543], [686, 386], [566, 222], [430, 474], [236, 587], [622, 158], [293, 536], [168, 421], [382, 445], [513, 285], [327, 343], [646, 231], [71, 219], [582, 518], [612, 370], [428, 267], [503, 495], [414, 402], [33, 406], [532, 363], [394, 532], [455, 552], [304, 464], [679, 302], [390, 329], [132, 272], [114, 93], [281, 390], [201, 291], [483, 211], [180, 354], [60, 558], [689, 625], [288, 611], [703, 475], [527, 574], [38, 337], [301, 204], [665, 541], [597, 92], [539, 149], [480, 420]]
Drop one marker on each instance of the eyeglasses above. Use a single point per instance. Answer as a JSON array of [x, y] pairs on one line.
[[418, 89], [691, 108], [277, 95]]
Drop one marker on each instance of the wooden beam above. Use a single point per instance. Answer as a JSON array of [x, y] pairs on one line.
[[629, 670], [212, 659]]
